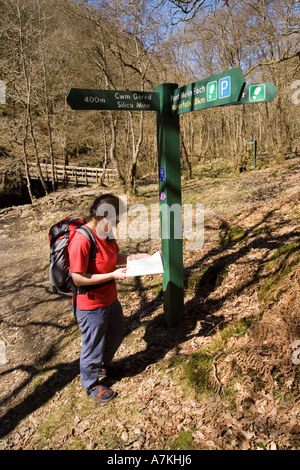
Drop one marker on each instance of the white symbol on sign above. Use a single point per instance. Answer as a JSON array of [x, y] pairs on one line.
[[224, 87], [256, 92], [211, 91]]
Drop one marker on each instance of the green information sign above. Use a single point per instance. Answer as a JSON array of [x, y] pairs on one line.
[[258, 93], [81, 99], [223, 89], [217, 90]]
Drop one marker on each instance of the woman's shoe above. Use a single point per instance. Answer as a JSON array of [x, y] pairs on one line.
[[101, 394]]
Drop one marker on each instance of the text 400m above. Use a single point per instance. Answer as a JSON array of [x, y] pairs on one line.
[[94, 99]]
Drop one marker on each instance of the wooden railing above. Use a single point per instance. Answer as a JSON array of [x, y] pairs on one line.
[[74, 174]]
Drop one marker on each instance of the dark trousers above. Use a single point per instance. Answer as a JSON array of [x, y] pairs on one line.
[[102, 333]]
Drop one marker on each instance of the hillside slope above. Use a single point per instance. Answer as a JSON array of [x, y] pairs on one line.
[[227, 377]]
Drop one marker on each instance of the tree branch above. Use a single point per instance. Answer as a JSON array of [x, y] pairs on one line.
[[283, 58]]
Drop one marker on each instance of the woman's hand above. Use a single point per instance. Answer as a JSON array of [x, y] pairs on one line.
[[120, 273]]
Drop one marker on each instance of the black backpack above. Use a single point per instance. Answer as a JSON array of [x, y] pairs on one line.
[[60, 236]]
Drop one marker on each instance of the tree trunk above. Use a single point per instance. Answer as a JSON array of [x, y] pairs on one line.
[[136, 147], [49, 128], [105, 154], [24, 145], [112, 151], [37, 160]]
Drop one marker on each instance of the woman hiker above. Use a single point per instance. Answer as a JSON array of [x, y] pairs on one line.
[[98, 310]]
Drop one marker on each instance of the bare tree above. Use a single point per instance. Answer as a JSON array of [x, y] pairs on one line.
[[22, 32], [260, 37], [121, 50]]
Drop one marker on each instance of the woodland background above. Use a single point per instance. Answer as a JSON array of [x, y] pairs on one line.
[[227, 377], [49, 46]]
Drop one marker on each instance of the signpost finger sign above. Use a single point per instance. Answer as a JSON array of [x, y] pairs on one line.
[[258, 93], [101, 100], [218, 90], [223, 89]]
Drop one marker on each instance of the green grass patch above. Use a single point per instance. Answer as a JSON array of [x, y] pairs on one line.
[[78, 444], [184, 441], [194, 278], [194, 373], [197, 372], [238, 328], [235, 235], [278, 267]]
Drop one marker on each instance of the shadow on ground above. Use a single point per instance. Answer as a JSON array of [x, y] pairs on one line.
[[159, 338]]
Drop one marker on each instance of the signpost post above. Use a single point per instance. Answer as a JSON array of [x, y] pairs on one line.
[[223, 89], [168, 144]]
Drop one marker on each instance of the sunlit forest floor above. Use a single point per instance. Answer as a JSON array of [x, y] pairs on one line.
[[226, 377]]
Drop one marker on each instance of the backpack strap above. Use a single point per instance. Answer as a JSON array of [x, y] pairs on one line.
[[85, 231]]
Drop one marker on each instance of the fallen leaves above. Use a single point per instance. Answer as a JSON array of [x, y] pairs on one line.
[[154, 409]]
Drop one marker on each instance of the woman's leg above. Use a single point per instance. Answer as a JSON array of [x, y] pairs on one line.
[[115, 331], [93, 326]]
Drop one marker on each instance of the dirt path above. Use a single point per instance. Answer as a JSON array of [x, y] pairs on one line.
[[158, 407]]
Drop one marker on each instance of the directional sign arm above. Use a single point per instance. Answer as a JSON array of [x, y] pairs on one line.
[[217, 90], [119, 100], [258, 93]]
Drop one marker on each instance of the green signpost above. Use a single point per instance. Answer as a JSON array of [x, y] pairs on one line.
[[223, 89], [218, 90]]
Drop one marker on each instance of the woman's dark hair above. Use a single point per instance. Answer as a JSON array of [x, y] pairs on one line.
[[105, 206]]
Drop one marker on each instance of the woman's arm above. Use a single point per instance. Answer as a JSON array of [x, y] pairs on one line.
[[88, 279]]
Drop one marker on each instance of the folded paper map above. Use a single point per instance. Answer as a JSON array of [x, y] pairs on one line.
[[144, 266]]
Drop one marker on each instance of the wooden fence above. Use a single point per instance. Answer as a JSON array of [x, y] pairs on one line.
[[74, 174]]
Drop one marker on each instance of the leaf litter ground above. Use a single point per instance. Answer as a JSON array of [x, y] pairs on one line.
[[222, 379]]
